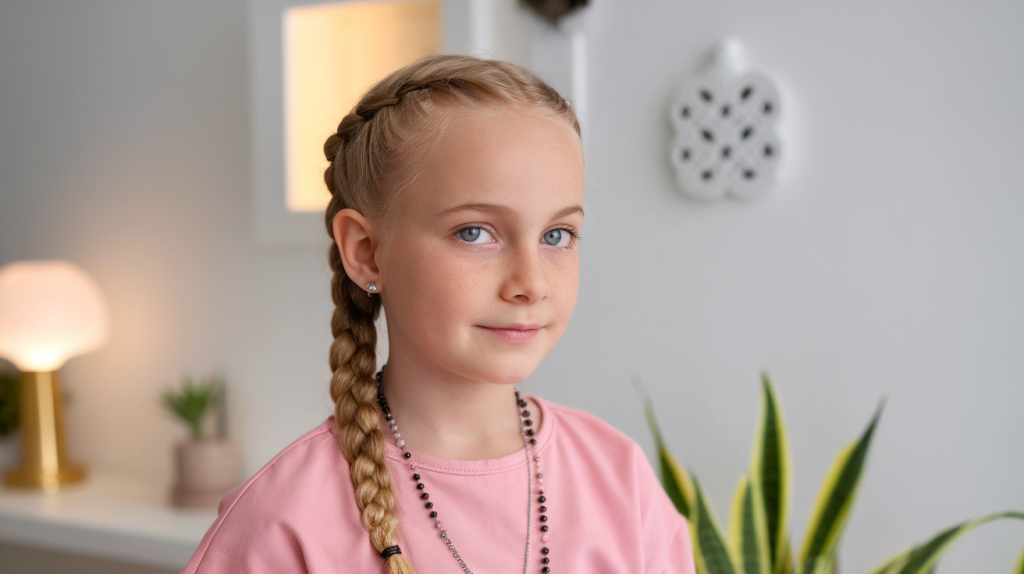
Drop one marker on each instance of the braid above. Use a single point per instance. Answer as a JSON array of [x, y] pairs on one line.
[[365, 169], [353, 360]]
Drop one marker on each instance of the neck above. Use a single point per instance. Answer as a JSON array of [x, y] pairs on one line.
[[447, 416]]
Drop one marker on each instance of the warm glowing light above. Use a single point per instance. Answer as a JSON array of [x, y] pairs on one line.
[[333, 53], [50, 311]]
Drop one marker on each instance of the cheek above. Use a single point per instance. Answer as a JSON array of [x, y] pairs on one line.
[[565, 290], [434, 288]]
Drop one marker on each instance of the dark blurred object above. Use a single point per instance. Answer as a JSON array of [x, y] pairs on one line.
[[552, 10], [8, 401]]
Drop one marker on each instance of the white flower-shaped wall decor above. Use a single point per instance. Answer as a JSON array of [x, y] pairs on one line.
[[724, 119]]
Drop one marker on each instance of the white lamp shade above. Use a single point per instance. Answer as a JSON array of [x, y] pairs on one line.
[[50, 311]]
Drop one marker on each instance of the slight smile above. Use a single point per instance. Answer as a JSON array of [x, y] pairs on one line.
[[518, 333]]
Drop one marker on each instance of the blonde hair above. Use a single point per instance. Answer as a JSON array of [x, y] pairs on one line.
[[372, 156]]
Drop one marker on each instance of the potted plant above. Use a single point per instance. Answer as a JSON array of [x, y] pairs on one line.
[[757, 541], [206, 466]]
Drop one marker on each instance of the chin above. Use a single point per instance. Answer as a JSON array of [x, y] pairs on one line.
[[507, 372]]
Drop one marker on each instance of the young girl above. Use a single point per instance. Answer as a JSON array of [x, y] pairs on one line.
[[457, 190]]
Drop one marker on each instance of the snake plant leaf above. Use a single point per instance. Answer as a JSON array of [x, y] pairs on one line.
[[784, 564], [771, 471], [923, 559], [680, 481], [748, 533], [1019, 568], [712, 555], [830, 563], [834, 502], [676, 481]]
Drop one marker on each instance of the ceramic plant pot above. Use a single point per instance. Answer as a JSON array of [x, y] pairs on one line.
[[206, 471]]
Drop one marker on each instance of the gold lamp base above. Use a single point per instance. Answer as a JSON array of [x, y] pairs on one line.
[[44, 461]]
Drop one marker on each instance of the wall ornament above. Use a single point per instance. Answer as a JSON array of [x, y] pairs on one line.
[[724, 118]]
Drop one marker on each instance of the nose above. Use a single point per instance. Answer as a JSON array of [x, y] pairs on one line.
[[526, 279]]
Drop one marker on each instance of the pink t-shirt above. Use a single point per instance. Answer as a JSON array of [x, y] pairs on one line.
[[606, 511]]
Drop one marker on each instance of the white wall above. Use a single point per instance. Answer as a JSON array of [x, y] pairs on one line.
[[124, 147], [890, 261]]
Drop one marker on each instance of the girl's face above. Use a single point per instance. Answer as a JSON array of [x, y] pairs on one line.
[[480, 275]]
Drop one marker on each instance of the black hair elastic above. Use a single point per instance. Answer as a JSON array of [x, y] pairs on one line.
[[390, 551]]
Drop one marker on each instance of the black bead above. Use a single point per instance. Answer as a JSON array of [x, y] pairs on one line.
[[543, 518], [424, 496], [433, 514], [408, 455], [420, 486], [415, 477], [526, 413], [542, 500], [544, 550], [545, 570], [430, 505], [543, 509], [528, 423], [533, 441], [545, 560], [522, 403], [529, 432], [544, 528]]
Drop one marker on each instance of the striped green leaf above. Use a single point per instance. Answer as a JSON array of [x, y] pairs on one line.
[[674, 479], [924, 558], [711, 553], [830, 564], [749, 536], [1019, 568], [834, 502], [771, 472], [784, 564]]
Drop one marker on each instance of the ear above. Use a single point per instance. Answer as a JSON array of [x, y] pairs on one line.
[[357, 242]]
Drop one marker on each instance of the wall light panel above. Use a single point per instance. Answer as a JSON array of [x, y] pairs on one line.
[[332, 54]]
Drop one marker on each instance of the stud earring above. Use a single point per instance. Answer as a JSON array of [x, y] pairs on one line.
[[370, 288]]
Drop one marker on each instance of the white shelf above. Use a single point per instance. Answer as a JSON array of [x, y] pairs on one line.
[[108, 516]]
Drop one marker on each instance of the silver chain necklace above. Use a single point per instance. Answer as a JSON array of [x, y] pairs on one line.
[[528, 433]]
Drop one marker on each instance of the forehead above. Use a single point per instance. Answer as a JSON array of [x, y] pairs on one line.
[[513, 157]]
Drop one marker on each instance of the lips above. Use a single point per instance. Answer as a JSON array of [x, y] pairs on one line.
[[516, 327], [515, 333]]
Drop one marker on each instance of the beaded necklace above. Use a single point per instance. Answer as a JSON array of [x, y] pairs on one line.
[[529, 441]]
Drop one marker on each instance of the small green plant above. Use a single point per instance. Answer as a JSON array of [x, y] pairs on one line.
[[758, 541], [9, 405], [194, 400]]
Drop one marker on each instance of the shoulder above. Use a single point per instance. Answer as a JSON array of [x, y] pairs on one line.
[[585, 442], [580, 426], [290, 502], [293, 474], [608, 476]]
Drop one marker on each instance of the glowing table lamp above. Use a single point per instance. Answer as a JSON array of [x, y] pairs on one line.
[[50, 311]]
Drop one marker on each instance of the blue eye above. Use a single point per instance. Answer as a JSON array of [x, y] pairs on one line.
[[472, 234], [558, 237]]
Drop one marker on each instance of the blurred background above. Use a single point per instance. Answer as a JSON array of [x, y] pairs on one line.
[[887, 262]]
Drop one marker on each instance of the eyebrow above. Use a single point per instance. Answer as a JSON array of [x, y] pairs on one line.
[[504, 211]]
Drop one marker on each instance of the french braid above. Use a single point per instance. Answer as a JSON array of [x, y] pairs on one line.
[[353, 360], [370, 157]]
